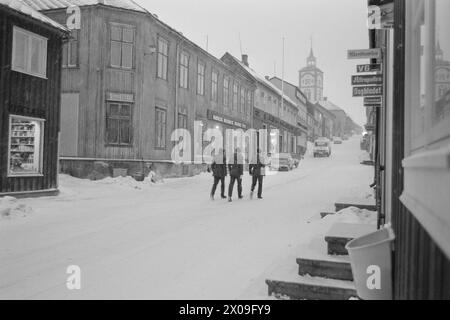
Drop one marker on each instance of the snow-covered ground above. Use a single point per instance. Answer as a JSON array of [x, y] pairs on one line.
[[169, 240]]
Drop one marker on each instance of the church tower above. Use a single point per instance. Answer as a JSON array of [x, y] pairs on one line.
[[311, 79]]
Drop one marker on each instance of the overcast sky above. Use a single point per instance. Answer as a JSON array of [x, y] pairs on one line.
[[335, 26]]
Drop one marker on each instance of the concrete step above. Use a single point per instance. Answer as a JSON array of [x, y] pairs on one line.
[[368, 204], [341, 233], [310, 288], [326, 268]]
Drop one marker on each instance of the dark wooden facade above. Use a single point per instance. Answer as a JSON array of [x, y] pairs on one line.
[[25, 95]]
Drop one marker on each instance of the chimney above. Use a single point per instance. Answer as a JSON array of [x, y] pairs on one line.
[[245, 59]]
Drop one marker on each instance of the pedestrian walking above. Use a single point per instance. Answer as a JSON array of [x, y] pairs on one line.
[[236, 170], [257, 171], [219, 170]]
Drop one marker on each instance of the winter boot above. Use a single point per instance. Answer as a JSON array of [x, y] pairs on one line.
[[229, 199], [251, 194]]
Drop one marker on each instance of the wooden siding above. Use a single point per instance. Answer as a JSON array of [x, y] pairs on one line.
[[94, 78], [27, 95]]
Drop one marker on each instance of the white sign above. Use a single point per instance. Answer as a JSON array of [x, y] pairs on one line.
[[364, 54]]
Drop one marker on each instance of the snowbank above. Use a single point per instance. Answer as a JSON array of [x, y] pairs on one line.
[[10, 208], [352, 215], [130, 182]]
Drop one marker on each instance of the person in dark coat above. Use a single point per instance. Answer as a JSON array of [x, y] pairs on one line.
[[219, 170], [236, 170], [257, 171]]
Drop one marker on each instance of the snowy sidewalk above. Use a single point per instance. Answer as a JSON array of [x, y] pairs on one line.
[[169, 241]]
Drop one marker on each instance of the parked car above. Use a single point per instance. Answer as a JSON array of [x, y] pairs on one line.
[[282, 162], [322, 147], [337, 140]]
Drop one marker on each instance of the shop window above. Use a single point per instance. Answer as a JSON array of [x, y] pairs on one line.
[[160, 128], [25, 146], [163, 54], [119, 123], [122, 46], [70, 51], [29, 53]]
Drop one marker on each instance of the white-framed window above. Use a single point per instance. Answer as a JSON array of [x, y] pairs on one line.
[[163, 56], [427, 118], [70, 50], [214, 85], [430, 107], [249, 101], [160, 128], [201, 78], [184, 70], [235, 95], [242, 101], [226, 91], [122, 46], [25, 146], [29, 53], [119, 124]]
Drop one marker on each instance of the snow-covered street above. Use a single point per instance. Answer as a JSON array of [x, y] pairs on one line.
[[169, 240]]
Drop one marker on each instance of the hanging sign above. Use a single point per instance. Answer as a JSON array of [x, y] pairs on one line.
[[364, 54], [367, 79], [361, 68], [369, 91]]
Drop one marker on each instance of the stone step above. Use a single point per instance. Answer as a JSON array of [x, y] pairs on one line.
[[326, 268], [368, 204], [310, 288], [341, 233]]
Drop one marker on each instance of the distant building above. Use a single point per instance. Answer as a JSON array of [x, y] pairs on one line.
[[311, 79], [326, 121], [30, 91], [269, 111], [294, 93]]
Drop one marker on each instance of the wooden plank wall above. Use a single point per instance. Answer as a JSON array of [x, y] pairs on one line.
[[29, 96]]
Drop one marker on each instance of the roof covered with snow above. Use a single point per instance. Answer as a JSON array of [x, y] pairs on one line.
[[327, 104], [23, 8], [60, 4], [263, 80]]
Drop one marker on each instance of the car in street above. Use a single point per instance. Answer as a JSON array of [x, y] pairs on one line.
[[322, 148], [337, 140], [282, 162]]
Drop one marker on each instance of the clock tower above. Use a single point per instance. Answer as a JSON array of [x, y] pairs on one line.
[[311, 79]]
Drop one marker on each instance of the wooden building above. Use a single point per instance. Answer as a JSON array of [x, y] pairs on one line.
[[271, 111], [30, 88], [412, 149], [128, 81]]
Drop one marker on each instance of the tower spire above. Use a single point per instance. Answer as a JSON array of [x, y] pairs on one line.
[[311, 60]]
